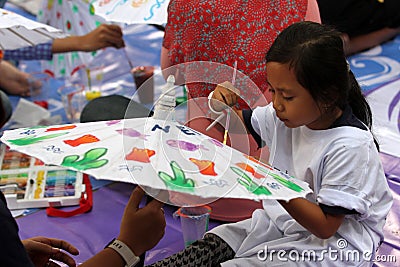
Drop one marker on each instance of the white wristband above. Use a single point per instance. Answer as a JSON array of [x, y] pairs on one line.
[[125, 252]]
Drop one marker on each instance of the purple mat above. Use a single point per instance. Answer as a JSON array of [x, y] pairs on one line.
[[389, 252], [90, 232]]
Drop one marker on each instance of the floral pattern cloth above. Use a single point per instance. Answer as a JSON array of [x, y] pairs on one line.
[[226, 31]]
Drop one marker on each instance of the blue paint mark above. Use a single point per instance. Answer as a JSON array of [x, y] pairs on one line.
[[122, 2], [156, 5], [28, 132], [166, 129]]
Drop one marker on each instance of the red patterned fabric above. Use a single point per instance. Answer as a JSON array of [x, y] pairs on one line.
[[224, 31]]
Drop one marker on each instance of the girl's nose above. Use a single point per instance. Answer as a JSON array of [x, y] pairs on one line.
[[277, 105]]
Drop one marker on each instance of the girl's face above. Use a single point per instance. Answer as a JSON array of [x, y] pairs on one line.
[[293, 104]]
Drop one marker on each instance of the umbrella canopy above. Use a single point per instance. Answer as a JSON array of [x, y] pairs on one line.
[[136, 11], [17, 31], [160, 154]]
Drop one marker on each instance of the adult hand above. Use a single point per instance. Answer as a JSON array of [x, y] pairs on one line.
[[226, 94], [42, 250], [142, 228], [103, 36]]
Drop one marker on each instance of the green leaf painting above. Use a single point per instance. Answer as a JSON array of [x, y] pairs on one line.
[[91, 160], [179, 180]]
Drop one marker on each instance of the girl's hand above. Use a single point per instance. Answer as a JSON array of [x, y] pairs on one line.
[[42, 249], [226, 94]]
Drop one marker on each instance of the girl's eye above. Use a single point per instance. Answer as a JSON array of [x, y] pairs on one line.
[[288, 98]]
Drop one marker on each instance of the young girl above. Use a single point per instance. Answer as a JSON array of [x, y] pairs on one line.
[[318, 129], [226, 32]]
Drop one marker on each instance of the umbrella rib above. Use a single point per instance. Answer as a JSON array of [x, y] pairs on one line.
[[43, 32], [20, 36]]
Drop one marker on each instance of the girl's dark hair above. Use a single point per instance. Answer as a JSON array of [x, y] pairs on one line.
[[315, 53]]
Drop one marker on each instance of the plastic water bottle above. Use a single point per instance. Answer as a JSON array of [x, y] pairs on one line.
[[165, 106]]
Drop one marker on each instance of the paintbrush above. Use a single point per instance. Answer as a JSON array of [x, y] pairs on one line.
[[228, 113], [127, 58]]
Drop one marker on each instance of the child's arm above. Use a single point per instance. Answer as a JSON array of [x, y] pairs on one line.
[[103, 36], [311, 217]]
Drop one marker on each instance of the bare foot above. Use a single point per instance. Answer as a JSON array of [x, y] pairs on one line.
[[13, 81]]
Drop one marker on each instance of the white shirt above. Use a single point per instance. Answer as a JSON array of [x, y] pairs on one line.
[[343, 168]]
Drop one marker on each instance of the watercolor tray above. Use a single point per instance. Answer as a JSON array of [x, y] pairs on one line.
[[27, 182]]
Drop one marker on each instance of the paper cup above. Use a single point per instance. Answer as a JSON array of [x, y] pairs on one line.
[[194, 222]]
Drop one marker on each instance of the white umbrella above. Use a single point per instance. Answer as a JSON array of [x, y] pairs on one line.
[[160, 154], [136, 11], [17, 31]]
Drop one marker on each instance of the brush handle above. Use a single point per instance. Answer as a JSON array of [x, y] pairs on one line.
[[127, 58], [228, 118], [220, 117]]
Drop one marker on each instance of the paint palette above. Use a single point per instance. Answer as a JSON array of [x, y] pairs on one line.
[[27, 182]]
